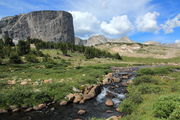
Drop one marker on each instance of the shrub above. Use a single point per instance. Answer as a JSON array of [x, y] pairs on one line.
[[175, 114], [31, 58], [165, 106], [148, 89], [144, 79], [23, 47], [154, 71], [37, 53], [15, 59], [135, 97], [117, 56], [0, 61], [127, 106]]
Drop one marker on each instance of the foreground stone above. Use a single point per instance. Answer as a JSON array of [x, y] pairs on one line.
[[3, 111], [81, 112], [109, 103], [63, 103], [40, 106], [77, 98], [114, 118]]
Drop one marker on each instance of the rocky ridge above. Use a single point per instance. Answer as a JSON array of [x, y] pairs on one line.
[[46, 25], [100, 39]]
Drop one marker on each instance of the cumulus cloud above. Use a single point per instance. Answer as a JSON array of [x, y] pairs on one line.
[[85, 23], [106, 9], [171, 24], [148, 22], [117, 26], [177, 41]]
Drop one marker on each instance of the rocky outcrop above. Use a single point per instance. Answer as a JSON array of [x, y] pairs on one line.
[[79, 41], [45, 25], [88, 93], [95, 40], [124, 39]]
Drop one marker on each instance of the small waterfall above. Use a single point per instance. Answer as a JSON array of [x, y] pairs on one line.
[[102, 95]]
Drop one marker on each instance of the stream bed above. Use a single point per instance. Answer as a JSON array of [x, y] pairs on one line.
[[95, 108]]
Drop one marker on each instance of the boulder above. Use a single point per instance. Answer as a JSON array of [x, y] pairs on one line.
[[40, 106], [28, 109], [94, 91], [76, 90], [81, 112], [70, 97], [129, 82], [109, 103], [24, 83], [109, 75], [77, 98], [62, 103], [114, 118], [3, 111], [109, 111], [106, 81], [48, 81]]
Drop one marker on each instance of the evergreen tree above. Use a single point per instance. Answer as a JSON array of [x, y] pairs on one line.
[[23, 47], [1, 48], [8, 41], [14, 58]]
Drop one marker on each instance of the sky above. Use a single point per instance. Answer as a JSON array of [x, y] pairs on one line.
[[141, 20]]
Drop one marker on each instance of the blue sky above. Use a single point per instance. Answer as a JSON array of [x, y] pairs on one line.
[[141, 20]]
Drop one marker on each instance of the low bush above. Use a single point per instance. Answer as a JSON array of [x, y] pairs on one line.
[[127, 106], [135, 97], [144, 79], [148, 89], [175, 114], [0, 61], [167, 107], [37, 53], [132, 100], [31, 58], [15, 59], [154, 71]]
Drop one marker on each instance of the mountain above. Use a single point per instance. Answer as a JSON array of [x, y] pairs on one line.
[[175, 45], [95, 40], [100, 39], [45, 25], [124, 39], [152, 43]]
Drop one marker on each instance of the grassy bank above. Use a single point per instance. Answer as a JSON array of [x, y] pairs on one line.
[[154, 95], [29, 84]]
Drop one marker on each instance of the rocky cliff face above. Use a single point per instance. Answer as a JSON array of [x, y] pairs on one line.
[[45, 25]]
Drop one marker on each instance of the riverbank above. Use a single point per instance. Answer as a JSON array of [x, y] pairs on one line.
[[154, 95], [115, 91]]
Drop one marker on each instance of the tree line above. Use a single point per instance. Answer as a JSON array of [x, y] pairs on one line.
[[89, 52], [9, 50]]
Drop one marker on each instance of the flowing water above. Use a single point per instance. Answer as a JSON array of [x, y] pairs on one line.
[[95, 107]]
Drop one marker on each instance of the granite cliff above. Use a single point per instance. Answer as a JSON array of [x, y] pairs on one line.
[[46, 25]]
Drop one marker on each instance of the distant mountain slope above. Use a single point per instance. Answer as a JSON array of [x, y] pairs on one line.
[[100, 39], [124, 39]]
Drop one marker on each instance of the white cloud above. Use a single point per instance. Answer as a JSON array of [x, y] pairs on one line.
[[148, 22], [177, 41], [85, 23], [117, 26], [106, 9], [171, 24]]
